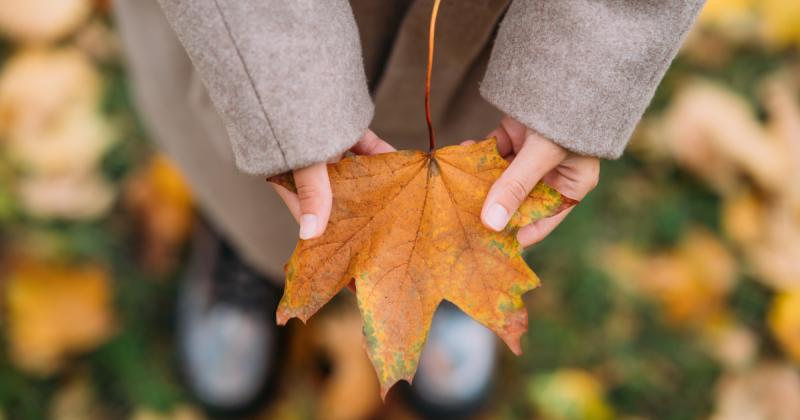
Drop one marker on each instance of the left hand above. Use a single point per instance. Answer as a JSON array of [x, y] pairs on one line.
[[311, 204], [534, 158]]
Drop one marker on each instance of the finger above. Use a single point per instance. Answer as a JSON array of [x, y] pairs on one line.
[[537, 157], [371, 144], [516, 131], [290, 199], [504, 147], [510, 136], [535, 232], [315, 198], [468, 142], [575, 177]]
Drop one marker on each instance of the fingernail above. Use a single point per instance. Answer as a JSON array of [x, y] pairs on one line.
[[308, 226], [496, 217]]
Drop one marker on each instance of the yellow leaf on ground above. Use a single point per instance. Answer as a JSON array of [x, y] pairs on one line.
[[784, 322], [351, 391], [184, 412], [55, 310], [734, 19], [690, 282], [569, 394], [743, 217], [781, 22]]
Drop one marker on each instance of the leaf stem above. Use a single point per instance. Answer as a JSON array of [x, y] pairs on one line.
[[431, 37]]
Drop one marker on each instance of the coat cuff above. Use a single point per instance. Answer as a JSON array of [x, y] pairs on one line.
[[581, 73], [286, 77]]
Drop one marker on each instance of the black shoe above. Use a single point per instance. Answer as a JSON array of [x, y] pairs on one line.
[[228, 339], [456, 368]]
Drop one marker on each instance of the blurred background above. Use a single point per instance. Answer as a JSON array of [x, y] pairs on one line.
[[673, 292]]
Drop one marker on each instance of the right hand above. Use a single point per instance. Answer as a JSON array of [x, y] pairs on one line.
[[311, 205], [533, 158]]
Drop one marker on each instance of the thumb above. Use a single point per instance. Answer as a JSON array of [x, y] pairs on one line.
[[315, 198], [536, 158]]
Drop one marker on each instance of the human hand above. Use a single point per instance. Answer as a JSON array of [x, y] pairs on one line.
[[534, 158], [311, 205]]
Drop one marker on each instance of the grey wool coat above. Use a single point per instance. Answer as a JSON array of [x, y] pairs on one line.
[[266, 86]]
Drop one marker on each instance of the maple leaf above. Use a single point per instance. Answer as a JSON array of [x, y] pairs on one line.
[[405, 226]]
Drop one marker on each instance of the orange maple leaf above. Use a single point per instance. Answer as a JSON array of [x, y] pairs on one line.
[[405, 226]]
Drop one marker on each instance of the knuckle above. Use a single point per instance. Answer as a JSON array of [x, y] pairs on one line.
[[516, 189], [591, 182], [594, 175], [310, 195], [370, 146]]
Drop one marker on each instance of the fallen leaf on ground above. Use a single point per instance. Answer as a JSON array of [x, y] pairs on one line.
[[39, 85], [351, 390], [715, 133], [743, 216], [66, 196], [50, 116], [769, 234], [162, 207], [781, 22], [55, 310], [690, 282], [784, 322], [39, 21], [569, 394], [768, 391], [776, 255], [183, 412], [733, 19], [779, 94], [405, 226], [734, 346], [75, 400]]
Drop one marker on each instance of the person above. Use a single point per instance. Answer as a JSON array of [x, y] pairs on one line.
[[236, 90]]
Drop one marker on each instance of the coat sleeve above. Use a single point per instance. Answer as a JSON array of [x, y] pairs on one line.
[[286, 76], [582, 72]]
